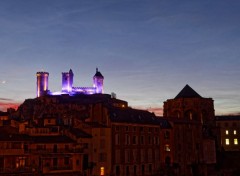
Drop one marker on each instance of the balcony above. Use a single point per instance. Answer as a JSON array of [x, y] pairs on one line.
[[50, 151], [11, 151], [60, 168], [16, 170]]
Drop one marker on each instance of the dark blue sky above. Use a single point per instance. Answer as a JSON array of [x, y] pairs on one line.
[[148, 50]]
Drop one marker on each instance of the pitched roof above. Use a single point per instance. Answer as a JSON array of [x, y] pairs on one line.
[[187, 92], [129, 115], [52, 139], [137, 116], [79, 133], [226, 118], [98, 73], [14, 137]]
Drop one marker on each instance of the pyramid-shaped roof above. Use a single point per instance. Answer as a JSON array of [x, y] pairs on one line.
[[188, 92], [98, 74]]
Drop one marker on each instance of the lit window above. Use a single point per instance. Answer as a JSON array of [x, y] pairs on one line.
[[235, 141], [167, 148], [227, 141], [226, 132], [235, 132], [102, 171]]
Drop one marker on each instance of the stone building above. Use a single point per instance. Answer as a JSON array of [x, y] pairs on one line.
[[192, 117]]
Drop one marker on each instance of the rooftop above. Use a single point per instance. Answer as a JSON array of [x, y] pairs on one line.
[[187, 92]]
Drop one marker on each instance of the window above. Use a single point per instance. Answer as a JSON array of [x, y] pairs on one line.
[[167, 148], [149, 140], [150, 168], [102, 132], [226, 132], [135, 155], [102, 144], [66, 161], [127, 128], [117, 156], [235, 141], [157, 140], [117, 139], [142, 140], [135, 170], [127, 170], [235, 132], [101, 171], [117, 170], [135, 141], [157, 155], [102, 157], [149, 155], [143, 155], [66, 147], [143, 169], [227, 141], [167, 135], [127, 139], [127, 156], [134, 129]]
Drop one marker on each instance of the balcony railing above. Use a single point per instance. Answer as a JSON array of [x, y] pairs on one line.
[[16, 170], [11, 151], [58, 151], [54, 168]]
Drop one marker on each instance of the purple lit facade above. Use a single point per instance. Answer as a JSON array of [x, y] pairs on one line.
[[42, 83], [67, 84]]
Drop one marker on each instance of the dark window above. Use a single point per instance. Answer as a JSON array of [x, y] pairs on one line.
[[134, 128], [134, 140], [127, 170], [117, 170], [167, 135], [55, 162], [135, 170], [142, 140], [143, 169], [67, 147], [149, 140], [66, 161], [150, 168]]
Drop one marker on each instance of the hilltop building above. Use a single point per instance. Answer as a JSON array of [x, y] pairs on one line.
[[67, 84]]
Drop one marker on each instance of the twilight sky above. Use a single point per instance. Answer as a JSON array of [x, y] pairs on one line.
[[147, 50]]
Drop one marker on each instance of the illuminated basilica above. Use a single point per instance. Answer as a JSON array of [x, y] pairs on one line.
[[67, 84]]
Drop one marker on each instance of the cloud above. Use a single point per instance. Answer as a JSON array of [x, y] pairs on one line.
[[156, 110], [5, 99], [7, 103]]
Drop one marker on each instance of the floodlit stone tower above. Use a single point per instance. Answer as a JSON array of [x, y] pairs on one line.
[[98, 81], [67, 81], [42, 83]]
